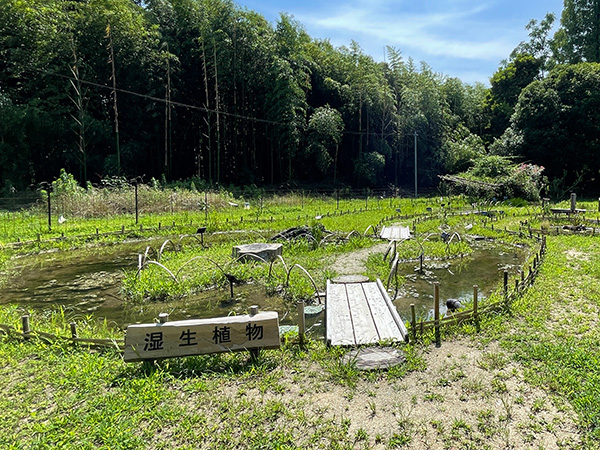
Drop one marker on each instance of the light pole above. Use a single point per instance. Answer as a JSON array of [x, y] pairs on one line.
[[416, 134]]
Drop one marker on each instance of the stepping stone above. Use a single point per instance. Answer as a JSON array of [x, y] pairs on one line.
[[351, 279], [374, 358]]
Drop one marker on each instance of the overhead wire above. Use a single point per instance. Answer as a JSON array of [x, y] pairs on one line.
[[202, 108]]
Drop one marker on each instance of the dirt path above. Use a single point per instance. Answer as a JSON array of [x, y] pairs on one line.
[[354, 262]]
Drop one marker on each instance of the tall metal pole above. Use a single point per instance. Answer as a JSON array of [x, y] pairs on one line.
[[416, 134]]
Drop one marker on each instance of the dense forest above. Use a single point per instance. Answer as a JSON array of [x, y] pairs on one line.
[[206, 90]]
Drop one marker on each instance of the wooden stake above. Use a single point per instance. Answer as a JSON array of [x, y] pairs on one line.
[[25, 325], [301, 325], [413, 322], [436, 313], [475, 306], [73, 326]]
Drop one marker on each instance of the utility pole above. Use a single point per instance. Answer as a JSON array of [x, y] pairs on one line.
[[416, 134]]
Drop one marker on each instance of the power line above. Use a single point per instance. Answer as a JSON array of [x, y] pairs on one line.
[[202, 108]]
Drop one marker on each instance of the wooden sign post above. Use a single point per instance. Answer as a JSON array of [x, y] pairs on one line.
[[202, 336]]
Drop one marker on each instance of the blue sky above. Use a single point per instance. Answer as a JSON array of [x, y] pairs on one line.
[[458, 38]]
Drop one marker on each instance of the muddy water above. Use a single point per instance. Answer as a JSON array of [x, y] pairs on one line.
[[88, 284], [485, 268]]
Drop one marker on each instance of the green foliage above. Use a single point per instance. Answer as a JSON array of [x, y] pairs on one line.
[[368, 168], [462, 149], [276, 105], [494, 176], [558, 113], [506, 86], [578, 38]]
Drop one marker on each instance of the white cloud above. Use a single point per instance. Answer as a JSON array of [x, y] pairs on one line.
[[448, 31]]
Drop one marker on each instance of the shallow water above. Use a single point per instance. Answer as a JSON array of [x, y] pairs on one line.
[[484, 268], [88, 284]]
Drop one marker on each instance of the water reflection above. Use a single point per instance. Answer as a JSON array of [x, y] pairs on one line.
[[484, 268]]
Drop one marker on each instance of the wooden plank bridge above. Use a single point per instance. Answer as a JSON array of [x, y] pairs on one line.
[[359, 313]]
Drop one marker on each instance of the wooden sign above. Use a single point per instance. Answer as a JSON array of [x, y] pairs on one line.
[[201, 336]]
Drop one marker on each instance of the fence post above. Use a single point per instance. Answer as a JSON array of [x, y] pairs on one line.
[[205, 206], [436, 313], [475, 307], [301, 325], [73, 326], [506, 288], [25, 325], [413, 322]]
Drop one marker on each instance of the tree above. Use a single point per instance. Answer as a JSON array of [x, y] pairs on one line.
[[578, 39], [540, 44], [557, 123], [506, 85], [325, 128]]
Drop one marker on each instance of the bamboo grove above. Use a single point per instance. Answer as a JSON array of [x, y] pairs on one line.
[[207, 90]]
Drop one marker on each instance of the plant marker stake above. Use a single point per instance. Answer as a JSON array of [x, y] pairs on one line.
[[301, 324], [436, 313]]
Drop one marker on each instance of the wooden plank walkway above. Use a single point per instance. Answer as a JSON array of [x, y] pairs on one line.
[[361, 313]]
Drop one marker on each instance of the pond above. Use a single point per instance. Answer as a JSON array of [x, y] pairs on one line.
[[484, 268], [88, 284]]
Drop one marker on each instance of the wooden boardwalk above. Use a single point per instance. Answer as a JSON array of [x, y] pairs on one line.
[[361, 313]]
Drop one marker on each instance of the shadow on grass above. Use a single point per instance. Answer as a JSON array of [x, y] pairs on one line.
[[239, 364]]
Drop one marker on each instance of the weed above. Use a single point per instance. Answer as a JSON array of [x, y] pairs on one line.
[[433, 397], [372, 407]]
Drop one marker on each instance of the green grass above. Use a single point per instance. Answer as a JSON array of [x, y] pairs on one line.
[[555, 334]]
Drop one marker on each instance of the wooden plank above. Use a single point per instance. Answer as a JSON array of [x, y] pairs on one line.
[[339, 328], [386, 326], [202, 336], [365, 331], [393, 311], [361, 313]]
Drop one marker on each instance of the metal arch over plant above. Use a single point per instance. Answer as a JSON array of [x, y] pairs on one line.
[[159, 265], [164, 245], [287, 281]]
